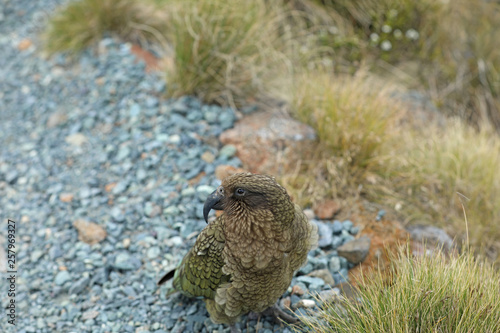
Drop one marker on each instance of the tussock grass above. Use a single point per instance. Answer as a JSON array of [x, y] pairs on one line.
[[437, 170], [81, 23], [353, 118], [424, 294], [225, 52]]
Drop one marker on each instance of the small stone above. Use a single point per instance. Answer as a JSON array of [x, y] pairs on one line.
[[323, 274], [337, 227], [66, 197], [126, 243], [312, 282], [89, 232], [227, 151], [334, 264], [11, 177], [205, 190], [208, 157], [380, 215], [62, 277], [89, 314], [76, 139], [117, 215], [329, 295], [326, 209], [305, 304], [24, 44], [223, 171], [297, 290], [35, 255], [171, 211], [347, 225], [122, 261], [120, 187], [153, 252], [325, 235], [356, 250], [55, 119], [123, 153], [79, 285]]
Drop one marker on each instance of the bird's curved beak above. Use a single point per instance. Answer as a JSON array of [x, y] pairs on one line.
[[214, 201]]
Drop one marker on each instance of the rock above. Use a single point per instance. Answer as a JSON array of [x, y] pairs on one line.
[[117, 215], [89, 232], [76, 139], [311, 282], [24, 44], [431, 236], [337, 227], [208, 157], [79, 285], [325, 235], [305, 304], [56, 118], [326, 209], [347, 225], [62, 277], [264, 137], [223, 171], [334, 264], [89, 314], [227, 151], [323, 274], [356, 250], [329, 295], [66, 197], [297, 290]]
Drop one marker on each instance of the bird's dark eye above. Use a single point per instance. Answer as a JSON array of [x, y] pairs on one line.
[[240, 192]]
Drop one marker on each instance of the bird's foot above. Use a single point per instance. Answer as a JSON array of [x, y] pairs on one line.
[[276, 311]]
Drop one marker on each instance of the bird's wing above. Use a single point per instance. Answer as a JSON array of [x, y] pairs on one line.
[[200, 272]]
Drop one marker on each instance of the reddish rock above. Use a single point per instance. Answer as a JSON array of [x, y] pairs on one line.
[[109, 187], [146, 56], [326, 209], [24, 44], [89, 232], [66, 197], [264, 138], [324, 274], [223, 171], [356, 250], [297, 290]]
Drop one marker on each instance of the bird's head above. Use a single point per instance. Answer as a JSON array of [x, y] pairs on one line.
[[244, 192]]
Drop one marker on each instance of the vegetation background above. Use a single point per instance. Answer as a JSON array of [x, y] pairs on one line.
[[404, 96]]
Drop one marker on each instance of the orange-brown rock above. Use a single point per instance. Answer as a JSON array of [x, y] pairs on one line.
[[223, 171], [263, 139], [66, 197], [149, 59], [326, 209], [89, 232], [386, 235], [24, 44]]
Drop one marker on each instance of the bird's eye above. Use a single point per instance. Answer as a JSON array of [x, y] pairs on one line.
[[220, 190], [240, 192]]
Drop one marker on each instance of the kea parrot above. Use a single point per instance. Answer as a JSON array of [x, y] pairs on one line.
[[245, 259]]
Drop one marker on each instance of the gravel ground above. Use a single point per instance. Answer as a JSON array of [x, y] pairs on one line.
[[94, 140]]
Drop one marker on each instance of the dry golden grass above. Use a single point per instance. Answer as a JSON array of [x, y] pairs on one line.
[[226, 52], [81, 23], [436, 170]]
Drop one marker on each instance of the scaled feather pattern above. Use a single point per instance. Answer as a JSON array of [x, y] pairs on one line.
[[245, 259]]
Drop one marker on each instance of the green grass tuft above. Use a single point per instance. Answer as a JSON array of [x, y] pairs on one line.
[[424, 294], [81, 23]]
